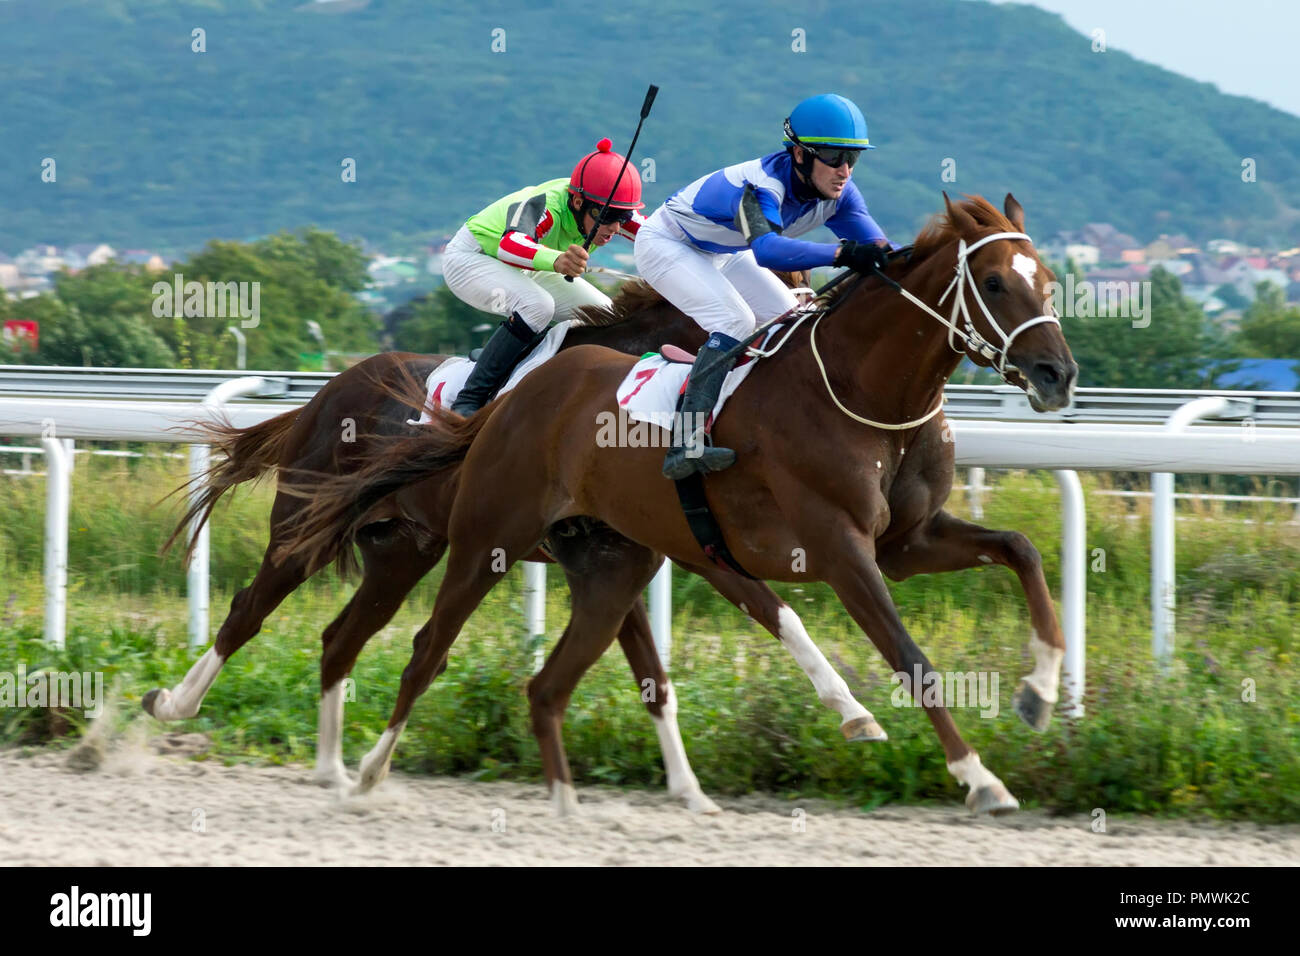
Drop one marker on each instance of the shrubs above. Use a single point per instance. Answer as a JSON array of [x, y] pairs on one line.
[[1217, 733]]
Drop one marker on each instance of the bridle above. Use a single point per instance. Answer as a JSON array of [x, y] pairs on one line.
[[971, 338]]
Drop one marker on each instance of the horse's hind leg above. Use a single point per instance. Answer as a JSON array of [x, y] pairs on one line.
[[474, 567], [601, 603], [395, 556], [637, 640], [762, 604], [248, 609]]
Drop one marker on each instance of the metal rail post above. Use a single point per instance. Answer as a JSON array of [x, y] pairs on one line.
[[1163, 597], [58, 494], [535, 607], [1074, 590], [196, 581], [661, 611]]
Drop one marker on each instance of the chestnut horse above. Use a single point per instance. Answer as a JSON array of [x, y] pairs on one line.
[[398, 550], [853, 497]]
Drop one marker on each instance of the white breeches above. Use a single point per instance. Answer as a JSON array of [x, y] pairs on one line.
[[488, 284], [723, 292]]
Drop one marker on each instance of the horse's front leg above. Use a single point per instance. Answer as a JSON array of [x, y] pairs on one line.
[[757, 600], [857, 579], [946, 543]]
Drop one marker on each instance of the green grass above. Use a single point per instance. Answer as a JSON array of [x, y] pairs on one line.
[[1181, 742]]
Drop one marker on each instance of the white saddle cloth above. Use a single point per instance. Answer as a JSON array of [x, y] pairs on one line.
[[648, 393], [445, 382]]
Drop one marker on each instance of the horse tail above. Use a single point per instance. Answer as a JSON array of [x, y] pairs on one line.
[[249, 454], [337, 506]]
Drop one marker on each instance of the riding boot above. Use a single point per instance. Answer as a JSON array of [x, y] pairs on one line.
[[512, 338], [702, 388]]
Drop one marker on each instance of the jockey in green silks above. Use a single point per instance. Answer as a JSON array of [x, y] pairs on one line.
[[511, 259]]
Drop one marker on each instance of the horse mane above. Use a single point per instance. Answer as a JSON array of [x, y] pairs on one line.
[[633, 296], [937, 233], [940, 230]]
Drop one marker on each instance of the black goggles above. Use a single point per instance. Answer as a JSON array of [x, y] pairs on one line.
[[609, 215], [835, 158]]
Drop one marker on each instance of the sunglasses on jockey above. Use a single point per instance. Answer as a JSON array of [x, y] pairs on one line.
[[832, 156], [610, 215]]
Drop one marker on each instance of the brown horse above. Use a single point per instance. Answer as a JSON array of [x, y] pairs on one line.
[[819, 491], [398, 550]]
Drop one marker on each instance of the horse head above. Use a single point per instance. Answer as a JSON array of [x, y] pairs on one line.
[[1006, 320]]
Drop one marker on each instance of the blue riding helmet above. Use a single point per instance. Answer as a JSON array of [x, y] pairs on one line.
[[827, 121]]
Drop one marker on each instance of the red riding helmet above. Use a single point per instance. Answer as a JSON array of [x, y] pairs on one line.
[[593, 179]]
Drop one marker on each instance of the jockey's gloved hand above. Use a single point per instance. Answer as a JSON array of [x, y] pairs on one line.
[[862, 256]]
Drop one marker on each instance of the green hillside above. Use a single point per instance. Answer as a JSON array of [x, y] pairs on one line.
[[158, 146]]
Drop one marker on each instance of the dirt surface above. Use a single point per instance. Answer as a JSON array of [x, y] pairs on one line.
[[150, 803]]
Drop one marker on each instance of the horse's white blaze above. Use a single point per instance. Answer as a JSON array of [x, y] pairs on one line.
[[1027, 268], [972, 773], [1046, 675], [329, 738], [184, 699], [830, 686]]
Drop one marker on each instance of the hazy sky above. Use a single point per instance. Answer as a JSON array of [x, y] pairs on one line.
[[1248, 47]]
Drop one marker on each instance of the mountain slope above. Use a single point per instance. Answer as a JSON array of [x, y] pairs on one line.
[[159, 146]]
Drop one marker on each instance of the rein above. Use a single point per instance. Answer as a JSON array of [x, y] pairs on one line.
[[967, 332]]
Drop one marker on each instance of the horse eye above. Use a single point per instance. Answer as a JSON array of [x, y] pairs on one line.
[[993, 284]]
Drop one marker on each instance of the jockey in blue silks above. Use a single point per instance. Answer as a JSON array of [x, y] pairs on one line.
[[709, 248]]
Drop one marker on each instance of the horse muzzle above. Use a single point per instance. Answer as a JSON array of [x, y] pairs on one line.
[[1049, 384]]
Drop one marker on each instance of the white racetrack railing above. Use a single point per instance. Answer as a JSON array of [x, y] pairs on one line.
[[1059, 447]]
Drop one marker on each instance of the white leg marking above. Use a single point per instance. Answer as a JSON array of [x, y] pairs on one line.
[[972, 773], [374, 765], [1046, 675], [830, 686], [987, 794], [329, 740], [681, 779], [564, 799], [184, 699]]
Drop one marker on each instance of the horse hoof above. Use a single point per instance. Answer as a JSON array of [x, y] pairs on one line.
[[1033, 710], [993, 799], [372, 775], [333, 778], [698, 803], [148, 699], [862, 728], [564, 800]]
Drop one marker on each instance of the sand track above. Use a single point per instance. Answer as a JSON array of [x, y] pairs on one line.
[[138, 807]]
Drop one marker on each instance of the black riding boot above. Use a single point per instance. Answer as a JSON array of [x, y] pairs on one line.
[[702, 388], [501, 354]]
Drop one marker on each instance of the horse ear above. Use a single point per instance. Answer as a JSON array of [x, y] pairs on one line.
[[962, 221], [1015, 212]]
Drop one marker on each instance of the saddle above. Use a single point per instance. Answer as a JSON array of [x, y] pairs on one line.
[[674, 353]]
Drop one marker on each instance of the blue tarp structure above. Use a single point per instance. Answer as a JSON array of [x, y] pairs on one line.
[[1264, 375]]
